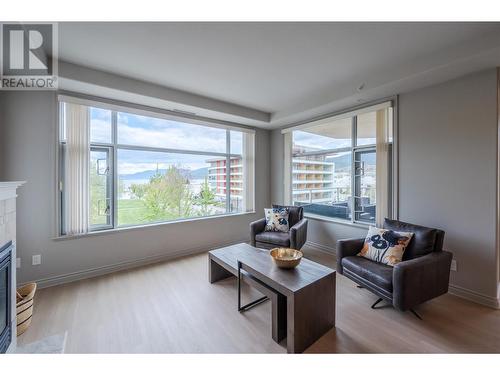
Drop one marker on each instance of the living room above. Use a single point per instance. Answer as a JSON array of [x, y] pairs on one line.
[[249, 187]]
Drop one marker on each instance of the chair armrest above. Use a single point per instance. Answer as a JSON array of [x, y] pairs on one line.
[[421, 279], [298, 234], [346, 248], [256, 227]]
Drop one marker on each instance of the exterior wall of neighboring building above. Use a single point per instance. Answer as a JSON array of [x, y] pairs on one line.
[[312, 177], [217, 180]]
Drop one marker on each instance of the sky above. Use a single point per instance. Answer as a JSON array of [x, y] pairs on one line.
[[130, 161], [155, 132], [318, 142]]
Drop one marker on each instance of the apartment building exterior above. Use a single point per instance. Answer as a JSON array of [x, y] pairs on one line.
[[217, 180], [313, 179]]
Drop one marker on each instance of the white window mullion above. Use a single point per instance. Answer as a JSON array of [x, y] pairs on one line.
[[228, 171], [114, 179], [382, 166]]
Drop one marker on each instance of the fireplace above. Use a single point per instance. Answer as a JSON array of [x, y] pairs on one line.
[[5, 296]]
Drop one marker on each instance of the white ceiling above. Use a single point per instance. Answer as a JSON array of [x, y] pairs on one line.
[[290, 70]]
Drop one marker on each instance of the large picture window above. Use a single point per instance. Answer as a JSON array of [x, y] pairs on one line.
[[119, 168], [341, 167]]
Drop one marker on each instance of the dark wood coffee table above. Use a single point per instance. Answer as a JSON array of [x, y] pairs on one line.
[[303, 299]]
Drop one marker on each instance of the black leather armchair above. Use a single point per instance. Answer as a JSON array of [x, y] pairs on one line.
[[295, 238], [422, 275]]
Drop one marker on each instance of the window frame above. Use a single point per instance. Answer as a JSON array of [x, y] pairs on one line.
[[114, 146], [109, 188], [356, 185], [355, 150]]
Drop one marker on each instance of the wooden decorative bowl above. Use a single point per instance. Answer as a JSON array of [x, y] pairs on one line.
[[286, 258]]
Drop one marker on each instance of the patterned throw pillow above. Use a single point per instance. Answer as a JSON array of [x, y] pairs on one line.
[[385, 246], [268, 213], [276, 219]]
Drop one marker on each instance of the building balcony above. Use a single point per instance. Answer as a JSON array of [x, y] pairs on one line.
[[311, 162], [311, 171], [233, 196], [224, 166], [312, 182]]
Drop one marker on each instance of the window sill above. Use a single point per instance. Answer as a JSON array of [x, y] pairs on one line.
[[144, 226], [337, 221]]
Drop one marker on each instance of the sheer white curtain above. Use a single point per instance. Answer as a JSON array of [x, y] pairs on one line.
[[248, 171], [382, 165], [76, 174]]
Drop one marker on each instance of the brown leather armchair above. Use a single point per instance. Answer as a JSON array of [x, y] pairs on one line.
[[295, 238], [422, 275]]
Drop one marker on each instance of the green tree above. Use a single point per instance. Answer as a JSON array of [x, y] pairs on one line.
[[206, 199], [167, 196], [138, 190]]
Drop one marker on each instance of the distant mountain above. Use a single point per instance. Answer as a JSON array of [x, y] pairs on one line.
[[196, 174], [343, 162], [199, 174], [144, 175]]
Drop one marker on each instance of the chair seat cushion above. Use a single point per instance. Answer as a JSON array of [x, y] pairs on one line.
[[376, 273], [275, 238]]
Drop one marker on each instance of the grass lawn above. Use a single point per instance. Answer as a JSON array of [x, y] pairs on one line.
[[131, 211]]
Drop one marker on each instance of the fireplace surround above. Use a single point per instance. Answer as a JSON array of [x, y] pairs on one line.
[[8, 256], [5, 296]]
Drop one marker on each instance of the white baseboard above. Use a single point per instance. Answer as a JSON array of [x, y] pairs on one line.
[[98, 271], [319, 247], [470, 295]]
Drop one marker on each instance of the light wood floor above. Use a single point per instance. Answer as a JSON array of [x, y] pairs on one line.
[[171, 308]]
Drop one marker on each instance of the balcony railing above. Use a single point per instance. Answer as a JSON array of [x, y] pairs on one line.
[[335, 194], [311, 171], [312, 181], [317, 162]]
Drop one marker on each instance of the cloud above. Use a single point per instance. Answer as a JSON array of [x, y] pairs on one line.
[[100, 130], [319, 142], [130, 161], [152, 132]]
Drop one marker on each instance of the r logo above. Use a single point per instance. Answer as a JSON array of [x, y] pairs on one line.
[[29, 56], [27, 49]]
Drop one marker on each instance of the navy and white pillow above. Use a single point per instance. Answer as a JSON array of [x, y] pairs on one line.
[[276, 220], [385, 246]]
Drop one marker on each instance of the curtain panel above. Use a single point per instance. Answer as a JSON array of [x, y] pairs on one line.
[[76, 173]]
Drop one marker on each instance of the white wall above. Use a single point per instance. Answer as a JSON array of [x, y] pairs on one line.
[[28, 144], [448, 172]]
